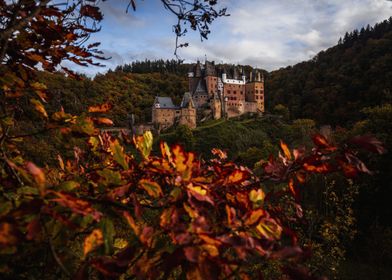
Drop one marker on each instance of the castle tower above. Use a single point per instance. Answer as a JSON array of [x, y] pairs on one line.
[[210, 78], [188, 111], [216, 107], [255, 90]]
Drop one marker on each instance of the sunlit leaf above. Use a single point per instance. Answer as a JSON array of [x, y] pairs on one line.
[[103, 108], [144, 143], [39, 107], [92, 241], [285, 150], [118, 154], [256, 196], [78, 206], [269, 229], [104, 121], [237, 176]]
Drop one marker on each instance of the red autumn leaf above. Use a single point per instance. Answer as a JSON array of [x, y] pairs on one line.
[[77, 205], [369, 143], [9, 235], [348, 169], [320, 141], [33, 229], [301, 176], [146, 236], [287, 252], [103, 108]]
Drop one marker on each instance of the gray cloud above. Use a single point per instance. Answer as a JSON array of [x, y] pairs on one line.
[[268, 34]]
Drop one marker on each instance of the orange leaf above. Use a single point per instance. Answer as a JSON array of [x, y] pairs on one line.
[[322, 168], [254, 217], [285, 150], [237, 176], [93, 241], [8, 235], [104, 121], [100, 108], [292, 187]]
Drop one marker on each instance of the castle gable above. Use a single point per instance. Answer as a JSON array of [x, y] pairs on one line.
[[187, 101]]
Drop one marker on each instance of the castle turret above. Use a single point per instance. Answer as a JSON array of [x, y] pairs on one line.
[[198, 70]]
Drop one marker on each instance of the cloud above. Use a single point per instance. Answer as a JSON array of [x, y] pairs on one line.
[[268, 34]]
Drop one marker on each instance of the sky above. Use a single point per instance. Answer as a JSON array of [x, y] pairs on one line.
[[268, 34]]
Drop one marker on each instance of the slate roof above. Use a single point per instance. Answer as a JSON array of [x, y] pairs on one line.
[[187, 100], [165, 102]]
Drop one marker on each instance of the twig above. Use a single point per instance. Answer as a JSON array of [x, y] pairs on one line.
[[55, 256]]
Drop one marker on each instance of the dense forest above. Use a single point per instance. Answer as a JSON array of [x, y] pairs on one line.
[[301, 192], [338, 83]]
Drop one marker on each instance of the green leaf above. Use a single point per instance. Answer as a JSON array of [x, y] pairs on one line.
[[5, 208], [110, 177], [109, 232], [118, 154], [151, 187], [69, 186], [84, 125]]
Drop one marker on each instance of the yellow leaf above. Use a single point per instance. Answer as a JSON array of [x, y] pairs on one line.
[[39, 107], [93, 241], [144, 143], [197, 189], [192, 213], [269, 229], [211, 249], [118, 154], [61, 162], [256, 196]]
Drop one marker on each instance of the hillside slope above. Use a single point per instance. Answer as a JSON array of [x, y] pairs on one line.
[[338, 83]]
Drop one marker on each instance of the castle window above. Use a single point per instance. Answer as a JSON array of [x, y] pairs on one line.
[[234, 92], [228, 91], [257, 91]]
